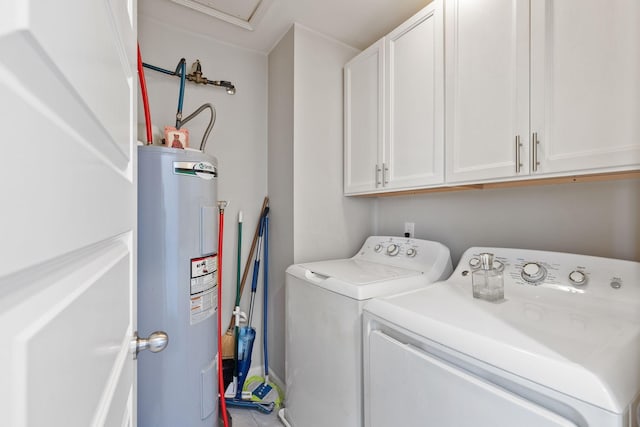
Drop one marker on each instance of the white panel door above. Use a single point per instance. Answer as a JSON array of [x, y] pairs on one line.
[[421, 390], [414, 149], [584, 88], [363, 120], [68, 230], [487, 88]]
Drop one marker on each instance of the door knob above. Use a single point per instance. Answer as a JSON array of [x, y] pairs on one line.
[[156, 342]]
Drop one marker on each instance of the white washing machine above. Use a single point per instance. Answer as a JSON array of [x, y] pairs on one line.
[[324, 302], [562, 348]]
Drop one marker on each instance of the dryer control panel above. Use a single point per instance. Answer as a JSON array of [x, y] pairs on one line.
[[573, 273]]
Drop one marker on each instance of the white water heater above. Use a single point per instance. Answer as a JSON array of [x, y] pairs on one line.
[[177, 286]]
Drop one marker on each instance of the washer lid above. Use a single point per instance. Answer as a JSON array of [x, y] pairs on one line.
[[590, 353], [358, 279]]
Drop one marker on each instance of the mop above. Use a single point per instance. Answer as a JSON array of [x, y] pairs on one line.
[[229, 340], [246, 338], [263, 390]]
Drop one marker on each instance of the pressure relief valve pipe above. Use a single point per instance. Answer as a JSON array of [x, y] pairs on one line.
[[197, 77]]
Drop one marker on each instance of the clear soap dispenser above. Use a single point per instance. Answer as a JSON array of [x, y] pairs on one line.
[[487, 282]]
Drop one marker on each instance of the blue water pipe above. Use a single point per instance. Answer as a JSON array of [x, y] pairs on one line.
[[181, 71]]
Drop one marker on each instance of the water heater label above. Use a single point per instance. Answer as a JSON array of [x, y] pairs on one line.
[[202, 284], [204, 170], [203, 306], [204, 265], [204, 281]]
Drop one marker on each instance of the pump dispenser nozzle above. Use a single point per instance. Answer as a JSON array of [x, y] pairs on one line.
[[487, 282], [486, 261]]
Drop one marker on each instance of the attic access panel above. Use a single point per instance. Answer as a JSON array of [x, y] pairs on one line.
[[243, 13]]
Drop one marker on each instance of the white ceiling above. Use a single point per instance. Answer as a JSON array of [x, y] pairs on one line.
[[357, 23]]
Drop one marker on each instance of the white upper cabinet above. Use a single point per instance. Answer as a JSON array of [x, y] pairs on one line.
[[414, 149], [585, 84], [394, 125], [364, 119], [474, 91], [539, 88], [487, 88]]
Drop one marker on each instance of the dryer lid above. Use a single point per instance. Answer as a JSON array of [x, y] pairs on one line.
[[590, 354], [358, 272], [357, 278]]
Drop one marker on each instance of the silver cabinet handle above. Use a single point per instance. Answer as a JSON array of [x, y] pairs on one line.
[[156, 342], [385, 174], [378, 173], [518, 160], [534, 152]]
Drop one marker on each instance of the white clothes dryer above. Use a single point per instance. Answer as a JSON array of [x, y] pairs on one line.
[[324, 302], [561, 349]]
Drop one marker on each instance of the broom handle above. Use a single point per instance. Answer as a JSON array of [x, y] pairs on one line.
[[247, 266]]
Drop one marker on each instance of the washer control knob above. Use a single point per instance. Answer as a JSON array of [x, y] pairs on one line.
[[393, 249], [377, 247], [411, 252], [578, 278], [474, 262], [533, 272]]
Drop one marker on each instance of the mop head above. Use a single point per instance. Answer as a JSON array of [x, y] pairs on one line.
[[261, 391]]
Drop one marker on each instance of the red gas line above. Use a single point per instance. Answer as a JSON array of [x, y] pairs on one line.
[[145, 98], [223, 403]]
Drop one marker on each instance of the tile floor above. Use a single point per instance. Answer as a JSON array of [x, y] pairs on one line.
[[251, 418]]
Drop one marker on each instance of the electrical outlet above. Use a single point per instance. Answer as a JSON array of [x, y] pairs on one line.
[[409, 228]]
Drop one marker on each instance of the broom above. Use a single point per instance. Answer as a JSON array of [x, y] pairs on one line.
[[229, 339]]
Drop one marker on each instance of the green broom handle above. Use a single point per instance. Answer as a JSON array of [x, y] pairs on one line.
[[239, 258]]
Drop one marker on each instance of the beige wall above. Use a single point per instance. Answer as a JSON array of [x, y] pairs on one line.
[[281, 112], [327, 225], [600, 219], [311, 218]]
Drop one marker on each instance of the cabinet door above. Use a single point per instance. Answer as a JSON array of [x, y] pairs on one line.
[[363, 121], [414, 149], [585, 92], [487, 88]]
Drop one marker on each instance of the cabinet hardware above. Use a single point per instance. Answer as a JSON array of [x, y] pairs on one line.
[[534, 152], [518, 145], [378, 172], [385, 174]]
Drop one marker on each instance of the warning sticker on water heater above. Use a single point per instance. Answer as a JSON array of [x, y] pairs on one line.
[[204, 282], [203, 306], [204, 266]]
